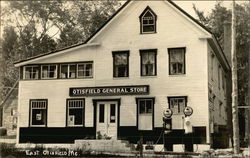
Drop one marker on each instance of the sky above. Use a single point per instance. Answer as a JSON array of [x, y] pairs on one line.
[[186, 5]]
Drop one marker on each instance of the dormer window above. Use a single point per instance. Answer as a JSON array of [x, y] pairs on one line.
[[148, 21]]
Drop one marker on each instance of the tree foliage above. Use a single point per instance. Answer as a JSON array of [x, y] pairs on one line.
[[36, 27]]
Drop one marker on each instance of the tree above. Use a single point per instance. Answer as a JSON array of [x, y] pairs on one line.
[[37, 27], [8, 47]]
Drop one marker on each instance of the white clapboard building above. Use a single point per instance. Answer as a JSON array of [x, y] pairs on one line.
[[148, 57]]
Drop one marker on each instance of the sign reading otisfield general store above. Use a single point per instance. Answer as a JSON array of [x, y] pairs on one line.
[[112, 90]]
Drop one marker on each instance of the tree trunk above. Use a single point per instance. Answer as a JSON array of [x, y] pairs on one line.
[[235, 121]]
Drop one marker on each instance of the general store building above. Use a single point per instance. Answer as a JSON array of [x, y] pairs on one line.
[[149, 56]]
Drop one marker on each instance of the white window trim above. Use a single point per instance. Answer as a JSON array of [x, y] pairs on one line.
[[146, 114], [49, 71], [84, 63], [83, 108], [154, 24], [31, 113], [170, 106], [68, 71], [24, 72]]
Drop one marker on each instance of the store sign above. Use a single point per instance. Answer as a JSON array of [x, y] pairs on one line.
[[109, 91]]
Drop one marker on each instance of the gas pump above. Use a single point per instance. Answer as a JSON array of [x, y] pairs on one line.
[[188, 127], [167, 123]]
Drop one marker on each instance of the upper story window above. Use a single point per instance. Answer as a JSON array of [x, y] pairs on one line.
[[68, 71], [177, 104], [176, 61], [85, 70], [148, 21], [121, 64], [148, 62], [31, 72], [49, 71], [38, 112]]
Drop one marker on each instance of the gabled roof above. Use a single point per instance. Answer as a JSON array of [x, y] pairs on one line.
[[18, 63]]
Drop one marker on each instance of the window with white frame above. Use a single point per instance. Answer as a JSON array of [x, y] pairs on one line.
[[31, 72], [120, 64], [38, 112], [148, 62], [75, 112], [176, 61], [85, 70], [148, 21], [49, 71], [177, 104], [68, 71], [145, 107]]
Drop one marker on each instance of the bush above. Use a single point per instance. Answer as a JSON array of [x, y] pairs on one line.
[[3, 131], [6, 149]]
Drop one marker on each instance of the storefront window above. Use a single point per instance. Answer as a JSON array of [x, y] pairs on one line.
[[75, 112], [38, 116]]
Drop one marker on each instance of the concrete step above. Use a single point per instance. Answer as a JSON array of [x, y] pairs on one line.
[[104, 145]]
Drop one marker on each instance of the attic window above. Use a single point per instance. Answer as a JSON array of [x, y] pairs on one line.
[[148, 21]]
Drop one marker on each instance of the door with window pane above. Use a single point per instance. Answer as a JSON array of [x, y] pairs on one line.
[[106, 122], [145, 114]]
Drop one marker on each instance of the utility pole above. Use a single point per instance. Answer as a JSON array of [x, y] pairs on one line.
[[235, 120]]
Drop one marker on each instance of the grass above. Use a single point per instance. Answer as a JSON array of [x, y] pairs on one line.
[[8, 137]]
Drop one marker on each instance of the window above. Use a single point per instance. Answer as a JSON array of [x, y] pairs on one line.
[[49, 71], [145, 107], [31, 72], [148, 62], [120, 62], [12, 112], [148, 21], [212, 65], [68, 71], [85, 70], [223, 81], [112, 113], [177, 61], [219, 76], [38, 115], [75, 112], [220, 108], [101, 113], [177, 104]]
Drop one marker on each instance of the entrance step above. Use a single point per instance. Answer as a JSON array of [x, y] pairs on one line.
[[104, 145]]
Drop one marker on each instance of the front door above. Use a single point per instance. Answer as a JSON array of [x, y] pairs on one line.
[[106, 125]]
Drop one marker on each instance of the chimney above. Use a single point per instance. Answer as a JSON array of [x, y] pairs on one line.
[[227, 41]]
